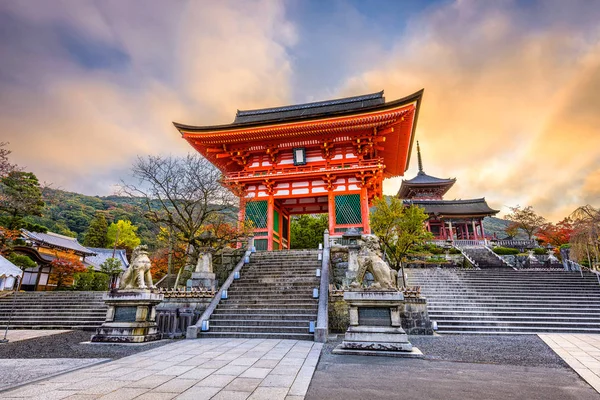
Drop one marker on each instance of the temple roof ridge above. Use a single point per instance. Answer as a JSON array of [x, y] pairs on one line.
[[324, 103]]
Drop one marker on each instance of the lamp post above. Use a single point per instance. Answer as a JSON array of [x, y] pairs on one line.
[[12, 310]]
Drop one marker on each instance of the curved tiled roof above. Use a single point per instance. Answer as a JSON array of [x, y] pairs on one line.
[[54, 239], [454, 207], [103, 254]]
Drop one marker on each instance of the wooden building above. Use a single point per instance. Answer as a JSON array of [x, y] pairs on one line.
[[448, 219], [323, 157], [43, 248]]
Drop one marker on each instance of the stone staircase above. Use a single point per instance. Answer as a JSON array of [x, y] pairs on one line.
[[493, 301], [53, 310], [484, 257], [272, 298]]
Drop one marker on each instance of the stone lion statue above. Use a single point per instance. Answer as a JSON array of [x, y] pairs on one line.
[[369, 260], [138, 275]]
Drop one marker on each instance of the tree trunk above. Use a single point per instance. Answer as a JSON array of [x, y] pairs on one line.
[[401, 270]]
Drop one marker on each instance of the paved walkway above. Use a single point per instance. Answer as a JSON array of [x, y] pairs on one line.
[[192, 369], [24, 334], [580, 351]]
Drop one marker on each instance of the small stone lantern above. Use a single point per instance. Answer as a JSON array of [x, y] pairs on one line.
[[352, 235]]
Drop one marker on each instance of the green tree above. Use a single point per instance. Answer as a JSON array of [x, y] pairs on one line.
[[21, 260], [90, 280], [306, 231], [20, 196], [111, 266], [526, 219], [399, 228], [123, 235], [96, 235]]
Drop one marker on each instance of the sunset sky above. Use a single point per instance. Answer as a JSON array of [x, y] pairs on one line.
[[512, 88]]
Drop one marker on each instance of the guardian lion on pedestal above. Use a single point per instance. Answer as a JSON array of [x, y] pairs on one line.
[[369, 260], [138, 275]]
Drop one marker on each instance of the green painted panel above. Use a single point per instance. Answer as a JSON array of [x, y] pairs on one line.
[[256, 211], [260, 244], [347, 209], [276, 221]]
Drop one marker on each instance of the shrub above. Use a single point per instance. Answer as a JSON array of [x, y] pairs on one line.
[[91, 281], [540, 251], [21, 260], [505, 251]]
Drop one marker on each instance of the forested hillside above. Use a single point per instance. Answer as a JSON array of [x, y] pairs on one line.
[[70, 213]]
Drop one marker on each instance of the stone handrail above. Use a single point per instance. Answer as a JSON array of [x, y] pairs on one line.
[[498, 256], [465, 255], [322, 328], [192, 330]]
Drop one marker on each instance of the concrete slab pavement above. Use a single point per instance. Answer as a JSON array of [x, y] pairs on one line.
[[192, 369], [580, 351]]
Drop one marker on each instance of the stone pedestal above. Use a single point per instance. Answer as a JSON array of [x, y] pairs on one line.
[[375, 325], [203, 276], [131, 317]]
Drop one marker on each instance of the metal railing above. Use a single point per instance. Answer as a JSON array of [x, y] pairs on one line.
[[192, 330], [322, 328]]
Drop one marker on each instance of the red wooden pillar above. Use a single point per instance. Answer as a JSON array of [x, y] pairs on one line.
[[364, 205], [474, 229], [241, 217], [289, 232], [331, 210], [482, 231], [270, 209]]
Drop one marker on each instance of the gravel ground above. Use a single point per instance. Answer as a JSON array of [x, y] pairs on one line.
[[68, 345], [522, 350]]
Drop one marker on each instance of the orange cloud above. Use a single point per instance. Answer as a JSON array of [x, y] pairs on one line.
[[511, 112]]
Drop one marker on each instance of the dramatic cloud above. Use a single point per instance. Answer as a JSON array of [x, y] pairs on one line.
[[511, 88], [511, 100], [85, 87]]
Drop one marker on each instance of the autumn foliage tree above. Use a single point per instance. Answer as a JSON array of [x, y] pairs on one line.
[[555, 234], [526, 219], [63, 270]]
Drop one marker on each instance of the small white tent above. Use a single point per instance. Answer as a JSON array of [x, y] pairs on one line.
[[8, 274]]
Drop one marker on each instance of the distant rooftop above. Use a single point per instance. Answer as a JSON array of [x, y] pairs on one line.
[[309, 109], [103, 254], [409, 187], [51, 239], [454, 207]]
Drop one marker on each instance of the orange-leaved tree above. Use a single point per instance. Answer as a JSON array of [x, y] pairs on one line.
[[556, 234], [62, 271]]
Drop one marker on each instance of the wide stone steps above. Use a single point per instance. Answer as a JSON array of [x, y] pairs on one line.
[[509, 301], [260, 317], [271, 299], [53, 310], [257, 335]]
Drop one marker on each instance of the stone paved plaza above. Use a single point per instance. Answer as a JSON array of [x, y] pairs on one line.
[[456, 367], [192, 369], [580, 351]]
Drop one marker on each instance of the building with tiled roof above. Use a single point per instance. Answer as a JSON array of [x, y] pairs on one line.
[[448, 219]]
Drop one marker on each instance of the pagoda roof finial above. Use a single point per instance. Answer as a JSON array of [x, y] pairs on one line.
[[419, 159]]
